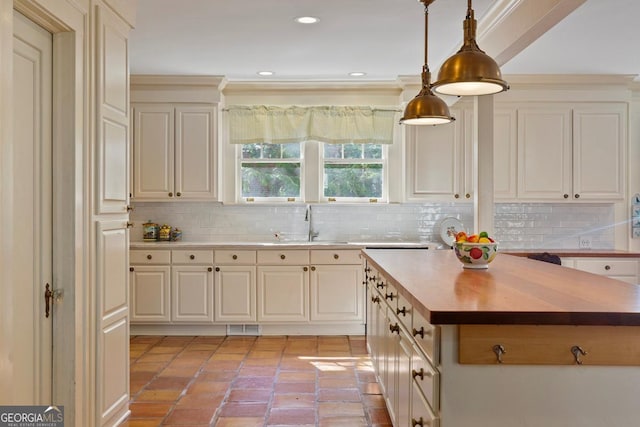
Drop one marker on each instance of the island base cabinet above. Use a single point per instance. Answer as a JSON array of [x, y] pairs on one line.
[[534, 395]]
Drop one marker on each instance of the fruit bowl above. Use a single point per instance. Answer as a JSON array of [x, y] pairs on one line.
[[475, 255]]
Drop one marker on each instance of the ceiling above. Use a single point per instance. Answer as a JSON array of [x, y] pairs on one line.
[[383, 38]]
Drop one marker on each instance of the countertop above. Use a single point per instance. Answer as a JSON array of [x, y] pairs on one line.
[[285, 245], [513, 290]]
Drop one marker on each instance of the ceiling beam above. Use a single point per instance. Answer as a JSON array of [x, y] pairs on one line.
[[512, 25]]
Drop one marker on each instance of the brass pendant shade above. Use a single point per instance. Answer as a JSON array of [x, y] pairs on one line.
[[470, 71], [426, 108]]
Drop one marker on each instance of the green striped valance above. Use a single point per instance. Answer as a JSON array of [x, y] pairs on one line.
[[250, 124]]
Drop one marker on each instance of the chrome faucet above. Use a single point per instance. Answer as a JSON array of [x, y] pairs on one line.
[[308, 218]]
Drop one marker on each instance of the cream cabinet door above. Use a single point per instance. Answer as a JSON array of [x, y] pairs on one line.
[[235, 293], [599, 142], [544, 152], [283, 293], [435, 161], [192, 294], [153, 152], [195, 156], [150, 293], [336, 293], [505, 158]]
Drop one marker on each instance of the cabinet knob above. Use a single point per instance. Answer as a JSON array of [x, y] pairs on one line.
[[305, 268], [313, 268], [402, 311], [468, 196], [129, 207], [395, 328], [417, 423], [375, 299], [457, 196], [149, 256], [577, 196], [210, 269], [170, 194], [178, 194], [129, 224], [234, 256], [380, 285], [419, 373], [131, 269], [283, 256], [389, 296], [192, 257], [566, 196], [217, 268], [336, 256], [607, 267]]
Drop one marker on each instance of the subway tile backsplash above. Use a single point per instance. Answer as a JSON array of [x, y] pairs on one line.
[[516, 225]]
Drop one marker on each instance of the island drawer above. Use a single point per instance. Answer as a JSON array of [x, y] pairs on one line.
[[608, 267], [149, 257], [235, 257], [549, 345], [283, 257], [427, 337], [335, 256], [404, 311], [389, 293], [427, 379], [192, 256], [421, 413]]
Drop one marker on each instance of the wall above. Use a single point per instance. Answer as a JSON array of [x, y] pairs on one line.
[[517, 225]]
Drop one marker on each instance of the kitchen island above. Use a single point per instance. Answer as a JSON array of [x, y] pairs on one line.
[[523, 343]]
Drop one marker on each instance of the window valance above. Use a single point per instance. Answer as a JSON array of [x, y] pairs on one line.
[[250, 124]]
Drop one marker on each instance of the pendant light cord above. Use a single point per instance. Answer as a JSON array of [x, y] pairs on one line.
[[426, 78]]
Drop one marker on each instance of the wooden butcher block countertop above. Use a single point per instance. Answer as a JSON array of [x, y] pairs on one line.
[[513, 290]]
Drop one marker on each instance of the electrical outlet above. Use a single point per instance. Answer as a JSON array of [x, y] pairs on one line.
[[585, 242]]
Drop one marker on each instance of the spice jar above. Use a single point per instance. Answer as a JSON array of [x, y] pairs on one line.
[[165, 233], [149, 231]]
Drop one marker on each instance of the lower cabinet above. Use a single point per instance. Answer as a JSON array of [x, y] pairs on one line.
[[625, 269], [150, 293], [283, 293], [408, 374], [235, 294], [192, 294]]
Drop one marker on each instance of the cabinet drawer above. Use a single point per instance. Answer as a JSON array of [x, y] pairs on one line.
[[404, 311], [427, 379], [421, 413], [283, 257], [149, 257], [549, 344], [608, 267], [390, 295], [192, 257], [335, 256], [235, 257], [427, 337]]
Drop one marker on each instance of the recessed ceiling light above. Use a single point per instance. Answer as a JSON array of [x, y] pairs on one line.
[[357, 74], [307, 19], [265, 73]]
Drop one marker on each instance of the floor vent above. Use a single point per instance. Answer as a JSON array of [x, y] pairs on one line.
[[244, 330]]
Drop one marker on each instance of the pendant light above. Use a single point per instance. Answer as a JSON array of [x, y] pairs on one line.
[[426, 108], [470, 71]]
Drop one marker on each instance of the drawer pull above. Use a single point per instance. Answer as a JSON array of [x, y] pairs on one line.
[[402, 311], [217, 268], [192, 257], [336, 256], [420, 373], [395, 328], [499, 350], [210, 269], [313, 268], [305, 268], [577, 351], [149, 256], [389, 296], [420, 332], [234, 256], [375, 299], [379, 285], [607, 267], [283, 256], [418, 422], [131, 269]]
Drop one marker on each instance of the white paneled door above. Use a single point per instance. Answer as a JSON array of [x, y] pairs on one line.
[[32, 213]]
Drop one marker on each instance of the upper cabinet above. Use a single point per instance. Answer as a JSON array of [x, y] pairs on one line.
[[559, 151], [438, 160], [174, 152], [175, 130]]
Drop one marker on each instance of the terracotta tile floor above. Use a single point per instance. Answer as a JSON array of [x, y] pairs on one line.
[[237, 381]]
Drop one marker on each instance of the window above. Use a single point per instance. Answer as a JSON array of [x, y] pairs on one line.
[[353, 171], [271, 171]]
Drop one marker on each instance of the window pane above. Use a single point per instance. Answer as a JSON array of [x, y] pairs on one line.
[[270, 179], [353, 151], [271, 151], [372, 151], [360, 180], [291, 151], [332, 151], [251, 151]]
